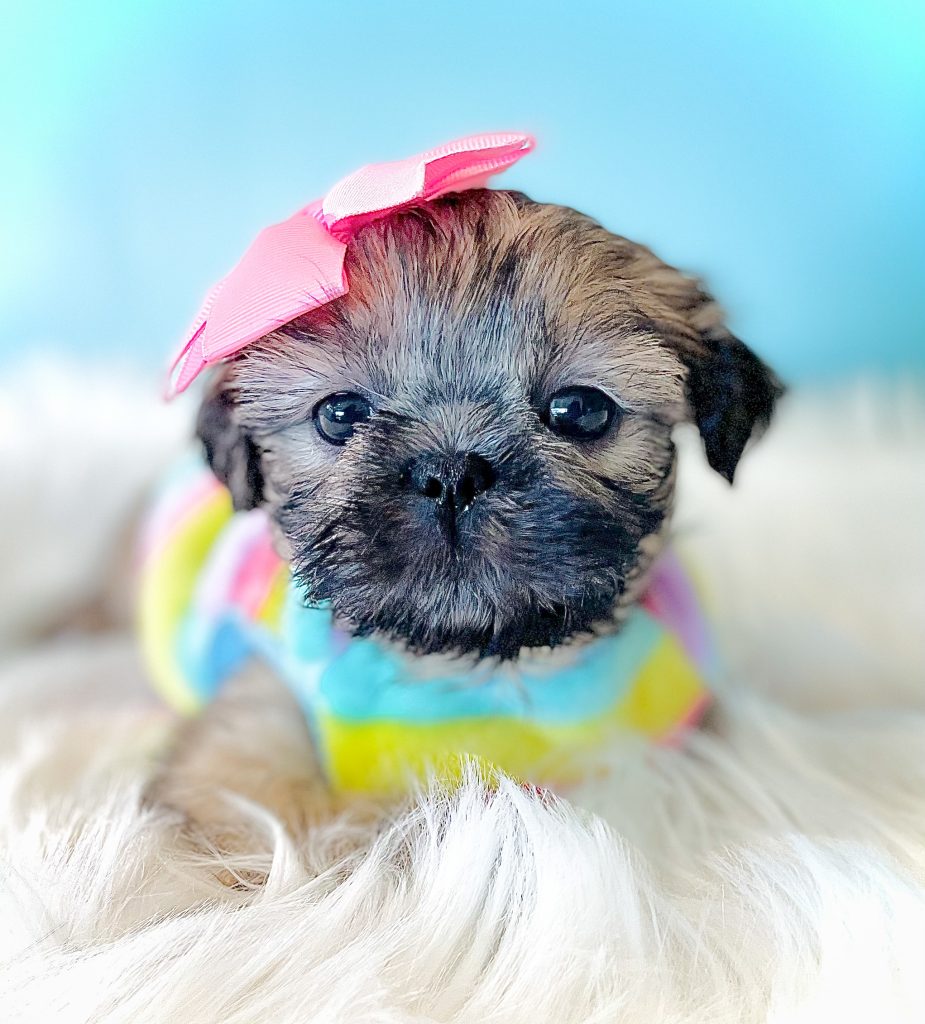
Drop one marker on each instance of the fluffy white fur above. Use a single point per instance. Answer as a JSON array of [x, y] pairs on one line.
[[773, 871]]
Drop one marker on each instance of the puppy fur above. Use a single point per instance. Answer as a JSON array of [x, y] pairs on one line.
[[464, 315]]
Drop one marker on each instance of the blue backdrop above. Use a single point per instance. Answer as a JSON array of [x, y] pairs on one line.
[[778, 148]]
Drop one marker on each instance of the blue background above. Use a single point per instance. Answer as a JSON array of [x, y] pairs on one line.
[[777, 148]]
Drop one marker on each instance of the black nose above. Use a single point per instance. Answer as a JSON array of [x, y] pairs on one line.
[[452, 481]]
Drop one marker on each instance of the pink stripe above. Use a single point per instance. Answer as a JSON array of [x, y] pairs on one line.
[[253, 584], [671, 600]]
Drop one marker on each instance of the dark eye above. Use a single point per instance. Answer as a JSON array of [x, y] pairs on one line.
[[337, 415], [580, 412]]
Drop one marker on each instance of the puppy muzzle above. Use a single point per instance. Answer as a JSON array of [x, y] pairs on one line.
[[450, 484]]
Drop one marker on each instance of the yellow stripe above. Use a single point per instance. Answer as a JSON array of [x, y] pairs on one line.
[[384, 756], [166, 589], [666, 690]]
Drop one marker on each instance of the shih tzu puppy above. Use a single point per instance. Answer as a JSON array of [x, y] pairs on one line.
[[466, 458]]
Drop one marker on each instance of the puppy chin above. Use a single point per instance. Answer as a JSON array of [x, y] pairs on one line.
[[503, 639], [457, 610]]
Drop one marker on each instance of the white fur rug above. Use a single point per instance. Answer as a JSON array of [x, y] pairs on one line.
[[773, 871]]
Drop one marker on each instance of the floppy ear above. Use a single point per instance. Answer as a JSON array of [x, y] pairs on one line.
[[230, 451], [732, 395]]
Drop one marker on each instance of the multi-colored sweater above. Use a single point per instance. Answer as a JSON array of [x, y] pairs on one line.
[[213, 594]]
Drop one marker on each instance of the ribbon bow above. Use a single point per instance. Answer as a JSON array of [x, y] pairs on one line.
[[298, 265]]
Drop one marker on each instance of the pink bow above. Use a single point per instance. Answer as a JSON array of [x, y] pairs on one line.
[[298, 265]]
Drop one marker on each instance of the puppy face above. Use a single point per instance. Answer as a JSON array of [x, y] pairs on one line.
[[471, 451]]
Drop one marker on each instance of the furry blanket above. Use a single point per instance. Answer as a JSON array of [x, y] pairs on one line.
[[774, 870]]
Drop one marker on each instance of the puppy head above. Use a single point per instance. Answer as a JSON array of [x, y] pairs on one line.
[[471, 451]]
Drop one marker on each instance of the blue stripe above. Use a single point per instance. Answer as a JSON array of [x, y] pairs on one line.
[[366, 682]]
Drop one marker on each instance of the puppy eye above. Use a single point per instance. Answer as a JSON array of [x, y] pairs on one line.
[[338, 414], [578, 412]]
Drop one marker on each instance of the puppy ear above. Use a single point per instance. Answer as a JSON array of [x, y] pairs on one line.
[[230, 451], [732, 395]]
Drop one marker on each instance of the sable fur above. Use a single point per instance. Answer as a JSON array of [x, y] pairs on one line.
[[463, 316]]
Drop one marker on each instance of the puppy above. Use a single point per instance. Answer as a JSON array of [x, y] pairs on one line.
[[468, 455]]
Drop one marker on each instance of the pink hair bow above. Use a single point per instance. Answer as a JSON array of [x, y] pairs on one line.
[[298, 265]]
